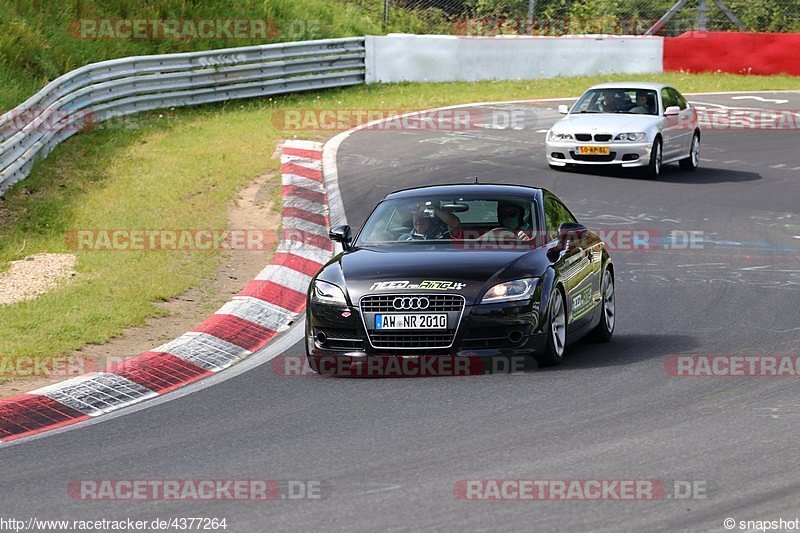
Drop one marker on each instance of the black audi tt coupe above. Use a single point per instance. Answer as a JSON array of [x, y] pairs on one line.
[[461, 271]]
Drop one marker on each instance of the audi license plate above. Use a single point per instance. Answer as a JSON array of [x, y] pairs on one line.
[[594, 150], [411, 321]]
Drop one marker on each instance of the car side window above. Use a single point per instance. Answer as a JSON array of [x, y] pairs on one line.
[[678, 98], [555, 214], [667, 99]]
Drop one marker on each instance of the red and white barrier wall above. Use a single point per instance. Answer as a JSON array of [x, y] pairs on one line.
[[436, 58], [266, 307], [733, 52], [396, 58]]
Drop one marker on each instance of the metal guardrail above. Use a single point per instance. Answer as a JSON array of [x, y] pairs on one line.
[[119, 87]]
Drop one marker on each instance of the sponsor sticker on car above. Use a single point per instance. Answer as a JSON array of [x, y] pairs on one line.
[[430, 285]]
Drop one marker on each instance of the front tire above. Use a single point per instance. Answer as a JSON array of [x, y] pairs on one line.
[[653, 170], [556, 332], [693, 161], [608, 309]]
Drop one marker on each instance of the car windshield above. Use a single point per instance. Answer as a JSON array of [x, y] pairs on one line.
[[629, 101], [440, 219]]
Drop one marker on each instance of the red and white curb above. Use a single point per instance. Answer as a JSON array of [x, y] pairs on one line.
[[266, 307]]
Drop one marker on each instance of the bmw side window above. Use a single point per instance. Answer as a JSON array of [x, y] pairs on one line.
[[680, 101], [666, 99]]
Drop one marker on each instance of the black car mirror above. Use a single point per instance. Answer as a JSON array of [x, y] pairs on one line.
[[570, 234], [342, 234]]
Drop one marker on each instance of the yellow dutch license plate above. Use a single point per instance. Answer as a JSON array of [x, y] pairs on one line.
[[593, 150]]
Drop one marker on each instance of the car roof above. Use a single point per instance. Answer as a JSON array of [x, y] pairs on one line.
[[496, 189], [630, 85]]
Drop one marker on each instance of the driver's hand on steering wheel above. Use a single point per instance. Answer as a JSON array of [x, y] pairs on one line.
[[522, 236]]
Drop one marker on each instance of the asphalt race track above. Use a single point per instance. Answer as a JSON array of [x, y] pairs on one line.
[[389, 451]]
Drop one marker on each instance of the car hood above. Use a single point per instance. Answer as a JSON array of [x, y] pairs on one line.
[[468, 273], [605, 123]]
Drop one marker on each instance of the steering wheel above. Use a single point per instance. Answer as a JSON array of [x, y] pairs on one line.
[[498, 233], [410, 237]]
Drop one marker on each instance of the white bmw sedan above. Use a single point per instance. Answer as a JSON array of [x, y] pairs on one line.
[[626, 124]]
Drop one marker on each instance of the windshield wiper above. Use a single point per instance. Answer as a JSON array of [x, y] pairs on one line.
[[590, 111]]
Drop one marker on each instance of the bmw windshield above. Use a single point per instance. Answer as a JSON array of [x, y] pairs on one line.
[[628, 101], [440, 219]]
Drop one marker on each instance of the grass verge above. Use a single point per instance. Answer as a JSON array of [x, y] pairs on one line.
[[39, 41], [179, 169]]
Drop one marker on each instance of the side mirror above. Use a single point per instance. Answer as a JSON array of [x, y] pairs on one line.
[[563, 109], [570, 233], [672, 111], [341, 234]]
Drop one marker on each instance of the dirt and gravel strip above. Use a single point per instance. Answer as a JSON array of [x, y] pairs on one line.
[[252, 208], [35, 275]]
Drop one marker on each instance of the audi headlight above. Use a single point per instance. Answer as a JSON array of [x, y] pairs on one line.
[[554, 136], [510, 291], [632, 137], [327, 293]]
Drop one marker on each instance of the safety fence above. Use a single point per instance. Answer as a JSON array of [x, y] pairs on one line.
[[109, 89], [119, 87]]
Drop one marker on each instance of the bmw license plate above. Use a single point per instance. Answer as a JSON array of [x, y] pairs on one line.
[[411, 321], [594, 150]]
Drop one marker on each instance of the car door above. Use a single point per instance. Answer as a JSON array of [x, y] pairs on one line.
[[574, 265], [687, 120], [670, 133]]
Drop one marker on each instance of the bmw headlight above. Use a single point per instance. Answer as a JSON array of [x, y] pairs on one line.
[[554, 136], [632, 137], [327, 293], [510, 291]]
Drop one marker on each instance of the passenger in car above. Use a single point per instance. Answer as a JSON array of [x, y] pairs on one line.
[[431, 222]]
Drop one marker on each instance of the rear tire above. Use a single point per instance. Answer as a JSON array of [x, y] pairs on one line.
[[653, 170], [556, 332], [693, 161], [608, 310]]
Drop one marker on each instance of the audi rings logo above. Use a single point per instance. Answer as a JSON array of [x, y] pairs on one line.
[[411, 302]]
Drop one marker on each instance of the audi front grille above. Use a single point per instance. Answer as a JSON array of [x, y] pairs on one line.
[[423, 339], [437, 303]]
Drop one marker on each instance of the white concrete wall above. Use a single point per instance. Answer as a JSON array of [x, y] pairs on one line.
[[400, 57]]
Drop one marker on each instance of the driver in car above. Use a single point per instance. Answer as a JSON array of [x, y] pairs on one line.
[[432, 223], [608, 102], [512, 217], [643, 104]]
